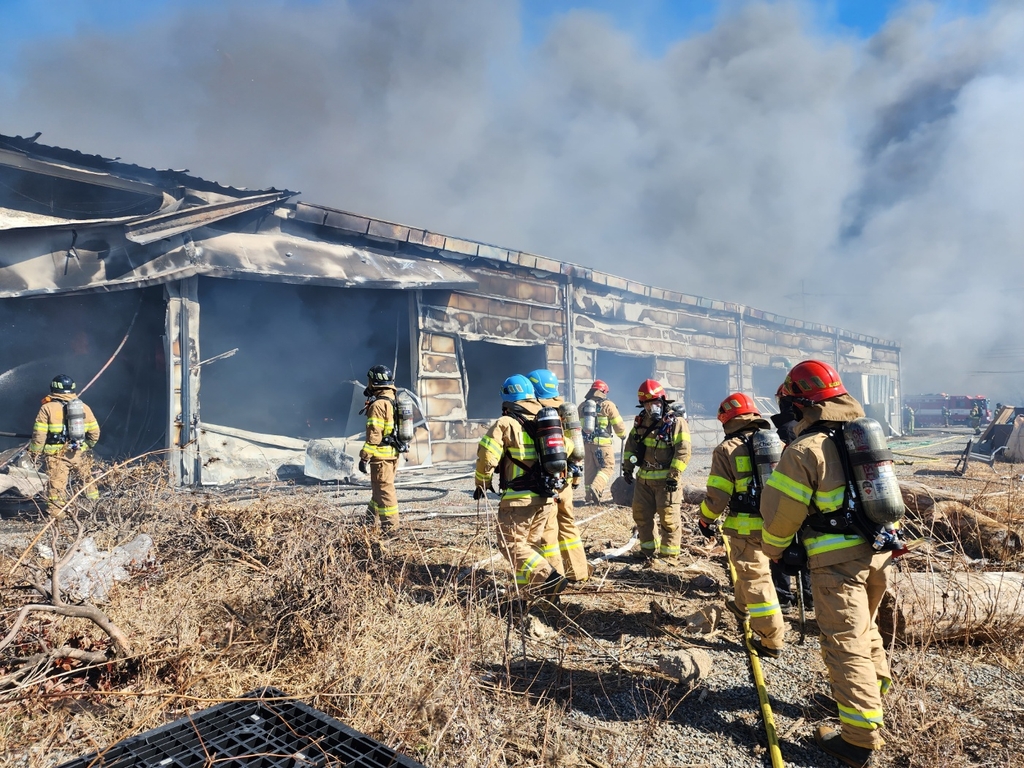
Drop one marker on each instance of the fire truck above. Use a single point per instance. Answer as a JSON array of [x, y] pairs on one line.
[[928, 409]]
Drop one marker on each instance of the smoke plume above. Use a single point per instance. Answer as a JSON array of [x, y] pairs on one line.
[[876, 184]]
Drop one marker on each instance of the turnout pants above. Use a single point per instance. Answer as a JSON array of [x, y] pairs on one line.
[[518, 530], [560, 542], [754, 588], [846, 598], [598, 467], [651, 504], [383, 496], [59, 468]]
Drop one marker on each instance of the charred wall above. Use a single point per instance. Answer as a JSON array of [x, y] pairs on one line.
[[700, 349]]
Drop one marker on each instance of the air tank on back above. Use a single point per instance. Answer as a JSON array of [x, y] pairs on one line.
[[573, 431], [551, 441], [76, 421], [767, 452], [874, 477], [403, 404], [588, 419]]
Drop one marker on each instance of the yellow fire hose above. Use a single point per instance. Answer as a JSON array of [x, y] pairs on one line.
[[762, 689]]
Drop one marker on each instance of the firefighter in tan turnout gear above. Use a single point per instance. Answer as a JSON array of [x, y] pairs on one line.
[[736, 484], [528, 491], [658, 450], [808, 492], [379, 454], [65, 431], [560, 542], [600, 419]]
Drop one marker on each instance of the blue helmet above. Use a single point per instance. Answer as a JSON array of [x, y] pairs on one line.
[[516, 388], [545, 383]]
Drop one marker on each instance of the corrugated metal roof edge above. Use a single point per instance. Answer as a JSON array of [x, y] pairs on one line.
[[369, 226], [172, 178]]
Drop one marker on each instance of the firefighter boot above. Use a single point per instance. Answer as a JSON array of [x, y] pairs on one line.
[[547, 602], [830, 741]]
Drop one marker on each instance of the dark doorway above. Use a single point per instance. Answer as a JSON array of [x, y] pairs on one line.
[[623, 374], [77, 336], [297, 347], [707, 384], [767, 380], [487, 366]]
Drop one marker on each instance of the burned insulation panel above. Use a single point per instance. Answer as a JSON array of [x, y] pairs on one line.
[[297, 345], [77, 335]]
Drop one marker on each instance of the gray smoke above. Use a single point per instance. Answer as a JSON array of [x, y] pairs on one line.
[[874, 184]]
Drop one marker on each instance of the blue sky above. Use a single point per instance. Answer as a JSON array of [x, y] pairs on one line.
[[655, 22]]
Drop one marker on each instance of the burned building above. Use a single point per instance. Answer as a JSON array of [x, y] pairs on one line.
[[232, 326]]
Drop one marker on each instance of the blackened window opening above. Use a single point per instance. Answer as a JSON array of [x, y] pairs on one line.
[[76, 336], [488, 365], [299, 347], [707, 384], [623, 374]]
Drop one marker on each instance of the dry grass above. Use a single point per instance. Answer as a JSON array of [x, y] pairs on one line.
[[284, 590]]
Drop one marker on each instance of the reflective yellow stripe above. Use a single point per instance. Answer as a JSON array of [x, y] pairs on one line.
[[706, 512], [380, 451], [549, 550], [653, 474], [525, 572], [790, 487], [829, 542], [491, 447], [871, 719], [665, 549], [721, 483], [651, 545], [742, 484], [884, 684], [375, 422], [775, 541], [830, 501], [760, 610], [570, 544], [743, 523]]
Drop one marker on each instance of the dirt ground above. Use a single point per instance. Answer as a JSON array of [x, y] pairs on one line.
[[411, 640]]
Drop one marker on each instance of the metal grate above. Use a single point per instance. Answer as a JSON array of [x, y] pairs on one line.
[[251, 733]]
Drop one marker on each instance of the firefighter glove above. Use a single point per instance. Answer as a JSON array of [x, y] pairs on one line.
[[707, 529], [478, 493], [672, 485], [362, 466], [627, 475]]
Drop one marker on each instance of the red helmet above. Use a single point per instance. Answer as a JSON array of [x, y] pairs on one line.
[[814, 380], [600, 386], [650, 390], [736, 404]]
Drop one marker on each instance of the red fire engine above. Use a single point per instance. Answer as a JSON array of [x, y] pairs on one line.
[[945, 410]]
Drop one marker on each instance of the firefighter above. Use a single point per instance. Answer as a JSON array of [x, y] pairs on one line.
[[379, 454], [560, 542], [848, 578], [908, 419], [658, 449], [599, 463], [510, 448], [945, 416], [785, 422], [732, 485], [976, 418], [64, 432]]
